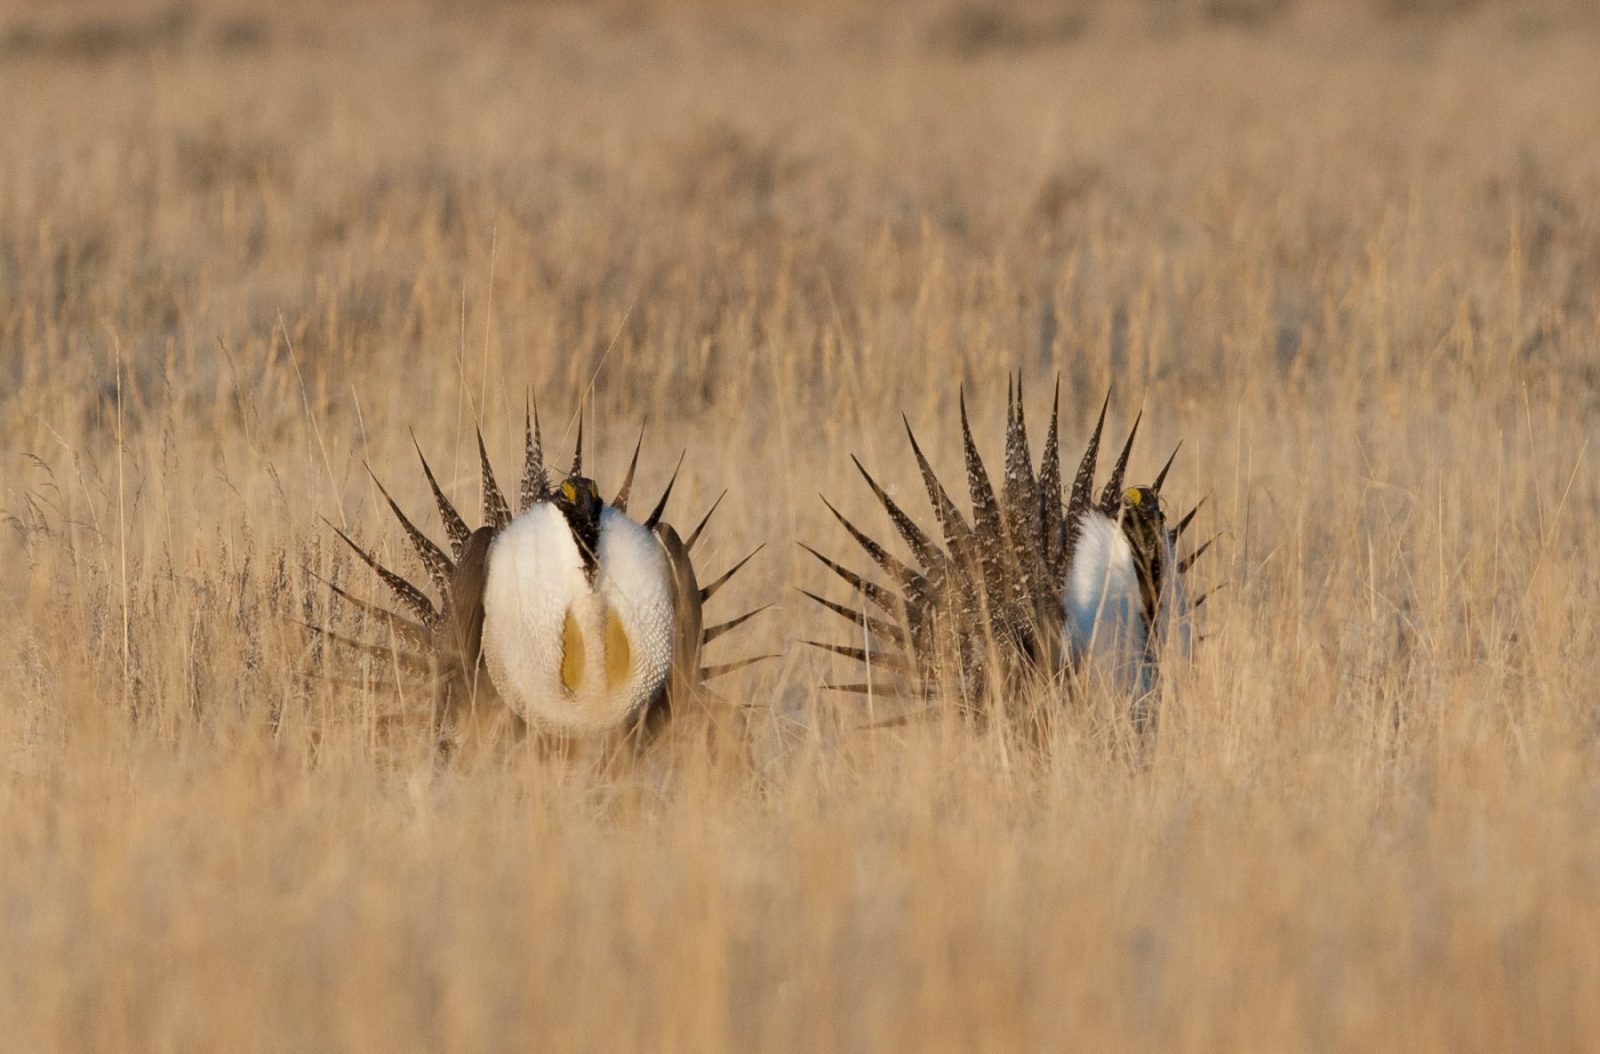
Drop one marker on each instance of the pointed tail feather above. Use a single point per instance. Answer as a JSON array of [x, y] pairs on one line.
[[1111, 496], [661, 505], [414, 632], [910, 580], [438, 565], [694, 535], [707, 592], [408, 594], [1161, 477], [985, 506], [875, 626], [1188, 561], [535, 484], [408, 661], [1020, 502], [866, 656], [919, 543], [708, 673], [956, 532], [1052, 527], [1188, 518], [620, 502], [889, 690], [1020, 489], [884, 599], [455, 528], [577, 451], [1198, 602], [711, 633], [495, 510], [1001, 585], [1080, 501]]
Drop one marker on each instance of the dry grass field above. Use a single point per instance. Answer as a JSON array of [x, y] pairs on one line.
[[1349, 253]]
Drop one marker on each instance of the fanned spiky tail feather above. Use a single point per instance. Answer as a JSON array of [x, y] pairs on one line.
[[977, 613], [442, 641]]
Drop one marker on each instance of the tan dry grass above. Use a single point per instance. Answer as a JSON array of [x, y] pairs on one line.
[[1349, 253]]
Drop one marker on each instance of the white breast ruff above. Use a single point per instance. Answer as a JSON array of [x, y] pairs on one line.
[[1105, 618], [1104, 609], [535, 580], [635, 581]]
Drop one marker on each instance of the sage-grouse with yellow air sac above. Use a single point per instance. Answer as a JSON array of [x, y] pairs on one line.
[[576, 619], [1042, 581]]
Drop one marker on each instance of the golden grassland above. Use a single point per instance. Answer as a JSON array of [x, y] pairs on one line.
[[1348, 253]]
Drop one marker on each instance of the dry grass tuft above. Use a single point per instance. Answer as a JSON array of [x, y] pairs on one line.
[[1350, 254]]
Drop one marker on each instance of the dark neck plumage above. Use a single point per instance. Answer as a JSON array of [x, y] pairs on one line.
[[583, 517], [1144, 530]]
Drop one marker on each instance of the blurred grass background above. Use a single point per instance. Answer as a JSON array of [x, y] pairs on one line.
[[1349, 253]]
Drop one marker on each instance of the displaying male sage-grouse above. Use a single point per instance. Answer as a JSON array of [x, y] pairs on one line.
[[1032, 586], [580, 620]]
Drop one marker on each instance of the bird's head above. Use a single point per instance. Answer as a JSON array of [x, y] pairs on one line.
[[1143, 518], [579, 500], [1145, 526], [578, 496]]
